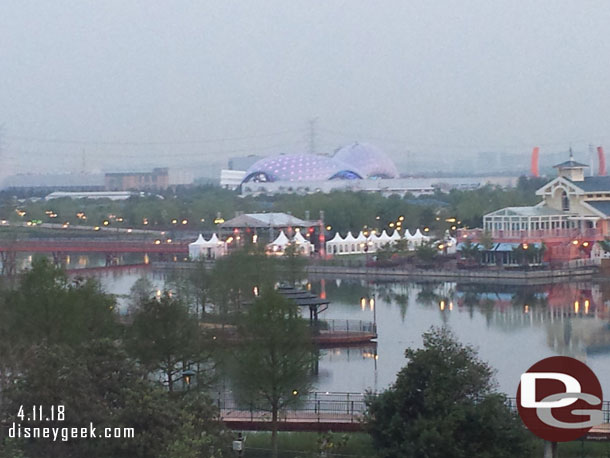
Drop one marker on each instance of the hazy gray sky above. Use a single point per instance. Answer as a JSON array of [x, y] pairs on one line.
[[425, 76]]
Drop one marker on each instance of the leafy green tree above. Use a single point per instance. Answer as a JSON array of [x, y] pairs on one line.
[[236, 277], [98, 383], [487, 241], [275, 357], [47, 307], [165, 337], [293, 263], [444, 404], [470, 251], [200, 286], [426, 253], [139, 293], [529, 254], [605, 245]]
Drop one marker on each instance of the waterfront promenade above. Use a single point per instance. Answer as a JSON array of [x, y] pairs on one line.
[[337, 412], [487, 276]]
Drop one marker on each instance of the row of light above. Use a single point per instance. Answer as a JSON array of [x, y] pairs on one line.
[[371, 303], [442, 305], [82, 216], [526, 308]]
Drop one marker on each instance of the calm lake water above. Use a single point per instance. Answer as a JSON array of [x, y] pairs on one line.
[[511, 327]]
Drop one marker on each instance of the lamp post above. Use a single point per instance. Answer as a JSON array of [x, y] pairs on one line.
[[187, 376]]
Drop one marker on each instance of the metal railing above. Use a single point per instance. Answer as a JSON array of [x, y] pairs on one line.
[[323, 406], [347, 326], [316, 406], [524, 234]]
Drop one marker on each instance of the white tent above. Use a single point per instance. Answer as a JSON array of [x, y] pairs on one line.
[[361, 242], [304, 246], [395, 236], [451, 244], [279, 244], [378, 241], [383, 238], [207, 249], [349, 243], [334, 244], [418, 238], [195, 247], [410, 240]]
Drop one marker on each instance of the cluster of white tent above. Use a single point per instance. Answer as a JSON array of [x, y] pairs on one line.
[[207, 249], [304, 246], [370, 244]]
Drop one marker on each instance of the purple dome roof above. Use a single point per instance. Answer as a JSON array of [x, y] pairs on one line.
[[371, 161], [292, 167], [350, 162]]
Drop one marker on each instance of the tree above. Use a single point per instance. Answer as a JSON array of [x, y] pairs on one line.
[[294, 263], [235, 278], [200, 284], [99, 383], [275, 357], [139, 293], [444, 404], [605, 245], [426, 253], [487, 241], [165, 337], [48, 307], [470, 251]]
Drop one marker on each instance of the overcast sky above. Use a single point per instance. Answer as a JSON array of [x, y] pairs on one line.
[[163, 82]]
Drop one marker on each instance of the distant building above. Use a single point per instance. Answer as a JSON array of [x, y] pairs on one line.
[[231, 179], [156, 180], [265, 227], [112, 195], [386, 187], [352, 162], [573, 215]]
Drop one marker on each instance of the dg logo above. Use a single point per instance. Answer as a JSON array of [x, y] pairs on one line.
[[560, 399]]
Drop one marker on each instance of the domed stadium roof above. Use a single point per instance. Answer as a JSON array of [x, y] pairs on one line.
[[292, 167], [371, 161], [355, 161]]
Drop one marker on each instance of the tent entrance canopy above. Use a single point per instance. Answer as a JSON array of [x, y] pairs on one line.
[[207, 249]]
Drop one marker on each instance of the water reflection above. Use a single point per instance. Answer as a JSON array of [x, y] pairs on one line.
[[512, 327]]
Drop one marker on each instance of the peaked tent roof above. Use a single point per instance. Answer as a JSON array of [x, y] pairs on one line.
[[298, 238], [281, 240], [200, 241], [384, 237], [349, 237], [418, 235], [336, 238], [361, 237], [395, 235]]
